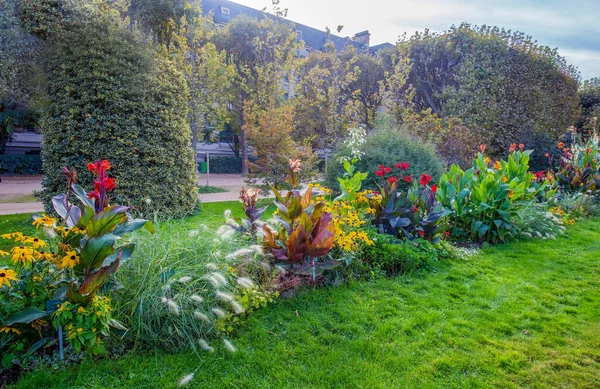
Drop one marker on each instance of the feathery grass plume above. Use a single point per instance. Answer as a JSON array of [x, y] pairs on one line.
[[185, 279], [223, 296], [257, 249], [245, 282], [211, 266], [237, 307], [202, 317], [214, 282], [244, 252], [220, 277], [219, 312], [205, 346], [173, 307], [197, 299], [225, 232], [164, 300], [186, 379], [229, 346], [227, 213], [193, 233]]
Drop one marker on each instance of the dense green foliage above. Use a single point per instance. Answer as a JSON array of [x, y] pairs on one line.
[[111, 97], [516, 315], [502, 84], [387, 146], [19, 164]]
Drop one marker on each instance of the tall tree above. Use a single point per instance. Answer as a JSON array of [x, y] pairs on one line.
[[501, 84], [262, 52]]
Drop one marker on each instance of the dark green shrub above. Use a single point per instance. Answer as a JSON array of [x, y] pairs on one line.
[[110, 96], [387, 146], [18, 164], [20, 118], [227, 165], [394, 256]]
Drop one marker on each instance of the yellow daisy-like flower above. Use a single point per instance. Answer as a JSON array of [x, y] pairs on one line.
[[23, 254], [35, 242], [4, 253], [6, 330], [6, 275], [80, 330], [99, 313], [12, 235], [39, 255], [81, 310], [70, 260], [44, 220]]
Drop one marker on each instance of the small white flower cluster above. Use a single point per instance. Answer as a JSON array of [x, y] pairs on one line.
[[356, 139]]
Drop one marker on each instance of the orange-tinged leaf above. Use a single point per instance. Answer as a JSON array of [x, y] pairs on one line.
[[306, 198], [296, 245]]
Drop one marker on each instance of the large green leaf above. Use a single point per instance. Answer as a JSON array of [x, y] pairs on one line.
[[107, 220], [124, 251], [92, 282], [96, 249], [136, 224], [82, 196], [27, 315]]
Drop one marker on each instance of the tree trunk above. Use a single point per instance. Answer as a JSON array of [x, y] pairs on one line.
[[244, 147]]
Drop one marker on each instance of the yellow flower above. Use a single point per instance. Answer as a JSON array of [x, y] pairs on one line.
[[3, 253], [6, 275], [12, 235], [44, 220], [487, 160], [81, 310], [80, 330], [99, 313], [39, 255], [23, 254], [497, 165], [511, 193], [35, 242], [504, 179], [70, 260], [6, 330]]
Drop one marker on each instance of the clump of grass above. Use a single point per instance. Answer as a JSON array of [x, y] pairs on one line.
[[210, 189], [180, 282]]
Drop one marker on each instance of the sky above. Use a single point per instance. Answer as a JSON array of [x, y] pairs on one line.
[[572, 26]]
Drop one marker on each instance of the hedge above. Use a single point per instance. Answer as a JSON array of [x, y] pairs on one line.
[[112, 96], [226, 165], [20, 164]]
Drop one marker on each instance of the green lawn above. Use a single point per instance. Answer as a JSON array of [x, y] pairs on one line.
[[524, 314]]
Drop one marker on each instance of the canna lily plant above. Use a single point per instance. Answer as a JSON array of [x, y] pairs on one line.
[[94, 251], [413, 212], [307, 232]]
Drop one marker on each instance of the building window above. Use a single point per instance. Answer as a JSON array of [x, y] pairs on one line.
[[308, 49], [299, 33], [225, 11]]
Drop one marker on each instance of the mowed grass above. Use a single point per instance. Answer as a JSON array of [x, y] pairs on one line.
[[524, 314]]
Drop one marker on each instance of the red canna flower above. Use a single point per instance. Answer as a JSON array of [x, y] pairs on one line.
[[387, 169], [447, 233], [433, 189], [99, 165], [513, 147], [422, 233], [102, 183], [408, 178], [425, 179], [392, 179], [588, 150], [380, 173], [482, 148], [561, 145], [376, 192], [521, 147], [414, 209], [402, 165]]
